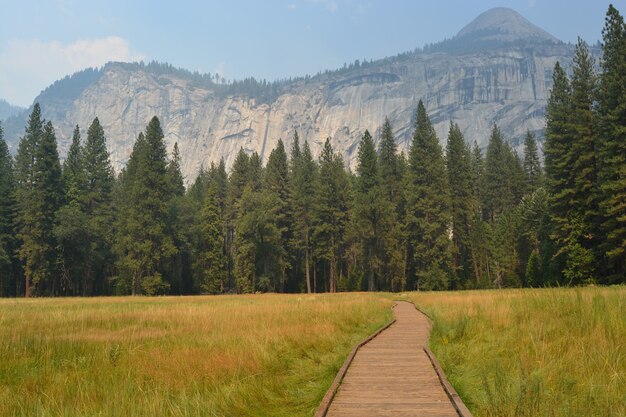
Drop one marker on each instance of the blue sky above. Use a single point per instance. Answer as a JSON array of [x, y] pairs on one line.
[[41, 41]]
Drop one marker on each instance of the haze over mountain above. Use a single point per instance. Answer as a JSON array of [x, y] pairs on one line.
[[7, 110], [497, 69]]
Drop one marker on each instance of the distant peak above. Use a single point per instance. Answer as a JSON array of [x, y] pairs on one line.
[[504, 24]]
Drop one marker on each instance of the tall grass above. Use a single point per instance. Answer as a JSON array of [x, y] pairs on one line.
[[544, 352], [269, 355]]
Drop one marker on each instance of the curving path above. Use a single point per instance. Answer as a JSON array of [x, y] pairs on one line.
[[392, 375]]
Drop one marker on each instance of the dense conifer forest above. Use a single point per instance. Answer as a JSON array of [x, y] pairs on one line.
[[432, 219]]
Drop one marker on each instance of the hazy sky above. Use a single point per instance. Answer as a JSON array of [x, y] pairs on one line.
[[41, 41]]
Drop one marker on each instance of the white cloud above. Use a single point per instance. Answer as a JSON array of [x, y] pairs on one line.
[[30, 65], [329, 5]]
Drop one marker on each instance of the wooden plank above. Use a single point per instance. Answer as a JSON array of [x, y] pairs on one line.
[[392, 373]]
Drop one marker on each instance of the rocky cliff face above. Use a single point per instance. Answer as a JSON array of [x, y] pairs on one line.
[[506, 82]]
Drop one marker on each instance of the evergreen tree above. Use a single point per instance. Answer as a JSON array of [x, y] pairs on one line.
[[331, 212], [458, 163], [372, 211], [612, 144], [143, 241], [211, 261], [179, 223], [98, 206], [71, 228], [304, 186], [277, 183], [239, 177], [8, 276], [516, 175], [534, 218], [499, 195], [257, 241], [392, 168], [479, 236], [388, 161], [558, 162], [174, 174], [26, 216], [39, 194], [255, 172], [428, 214], [74, 170], [532, 165], [584, 205]]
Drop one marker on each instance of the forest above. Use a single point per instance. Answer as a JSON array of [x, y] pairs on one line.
[[433, 219]]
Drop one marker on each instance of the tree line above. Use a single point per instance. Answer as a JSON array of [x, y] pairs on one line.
[[431, 219]]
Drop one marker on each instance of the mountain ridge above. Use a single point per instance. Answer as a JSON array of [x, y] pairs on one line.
[[492, 80]]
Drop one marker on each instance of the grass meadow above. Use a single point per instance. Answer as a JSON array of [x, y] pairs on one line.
[[548, 352], [258, 355], [544, 352]]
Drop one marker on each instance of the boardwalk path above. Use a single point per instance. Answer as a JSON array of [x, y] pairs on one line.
[[392, 375]]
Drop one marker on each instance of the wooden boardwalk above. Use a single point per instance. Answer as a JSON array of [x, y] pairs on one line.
[[392, 375]]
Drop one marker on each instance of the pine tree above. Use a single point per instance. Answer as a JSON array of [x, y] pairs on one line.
[[612, 143], [534, 219], [516, 174], [558, 162], [8, 284], [39, 195], [499, 195], [479, 235], [532, 165], [257, 240], [71, 229], [255, 172], [98, 206], [388, 161], [143, 241], [458, 163], [331, 212], [304, 186], [74, 170], [174, 174], [583, 156], [211, 261], [392, 168], [25, 192], [372, 213], [277, 183], [178, 227], [238, 179], [428, 214]]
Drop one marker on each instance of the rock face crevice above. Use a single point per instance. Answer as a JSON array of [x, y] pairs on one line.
[[507, 84]]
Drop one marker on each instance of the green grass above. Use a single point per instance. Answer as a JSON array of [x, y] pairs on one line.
[[544, 352], [548, 352], [197, 356]]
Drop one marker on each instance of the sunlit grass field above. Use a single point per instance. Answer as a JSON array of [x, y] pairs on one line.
[[259, 355], [543, 353], [548, 352]]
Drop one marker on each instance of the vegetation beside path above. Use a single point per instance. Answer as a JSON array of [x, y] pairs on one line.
[[527, 352], [544, 352], [258, 355]]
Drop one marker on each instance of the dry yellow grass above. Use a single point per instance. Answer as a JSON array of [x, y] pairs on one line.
[[549, 352], [211, 356], [543, 352]]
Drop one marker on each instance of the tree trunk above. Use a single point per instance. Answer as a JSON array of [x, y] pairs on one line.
[[27, 286], [333, 285], [133, 284], [306, 264], [370, 280]]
